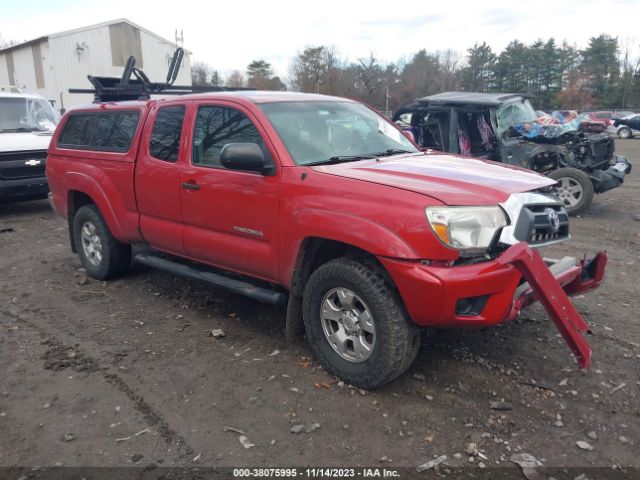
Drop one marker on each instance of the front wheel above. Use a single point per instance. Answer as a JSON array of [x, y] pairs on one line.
[[574, 189], [101, 254], [357, 325], [624, 133]]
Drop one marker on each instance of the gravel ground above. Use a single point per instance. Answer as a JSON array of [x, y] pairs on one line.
[[126, 373]]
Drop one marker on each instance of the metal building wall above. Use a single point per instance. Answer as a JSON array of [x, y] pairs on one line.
[[68, 58], [76, 55]]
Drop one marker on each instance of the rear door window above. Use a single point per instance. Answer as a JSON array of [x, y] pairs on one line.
[[165, 136], [108, 131]]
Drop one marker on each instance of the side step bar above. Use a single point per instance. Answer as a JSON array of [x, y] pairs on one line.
[[232, 285]]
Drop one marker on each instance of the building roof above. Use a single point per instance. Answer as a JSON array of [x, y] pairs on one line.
[[470, 98], [83, 29]]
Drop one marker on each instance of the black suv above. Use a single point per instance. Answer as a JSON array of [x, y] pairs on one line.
[[506, 128]]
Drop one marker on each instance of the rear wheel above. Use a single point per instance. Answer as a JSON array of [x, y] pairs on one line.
[[357, 324], [574, 189], [625, 132], [101, 254]]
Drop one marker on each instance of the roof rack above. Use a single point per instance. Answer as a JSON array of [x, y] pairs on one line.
[[111, 89]]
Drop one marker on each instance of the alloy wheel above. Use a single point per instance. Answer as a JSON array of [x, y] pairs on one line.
[[348, 325]]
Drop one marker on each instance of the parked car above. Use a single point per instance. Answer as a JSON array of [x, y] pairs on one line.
[[320, 203], [604, 116], [627, 127], [621, 114], [27, 122], [506, 128]]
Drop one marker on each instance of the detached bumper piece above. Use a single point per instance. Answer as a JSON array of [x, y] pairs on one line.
[[605, 180], [551, 286]]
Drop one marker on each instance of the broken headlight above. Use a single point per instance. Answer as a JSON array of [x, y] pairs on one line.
[[468, 229]]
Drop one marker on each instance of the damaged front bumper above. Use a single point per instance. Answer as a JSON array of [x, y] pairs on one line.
[[551, 286], [605, 180], [495, 291]]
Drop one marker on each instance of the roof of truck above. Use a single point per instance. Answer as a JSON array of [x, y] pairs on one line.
[[5, 94], [474, 98], [267, 96], [254, 96]]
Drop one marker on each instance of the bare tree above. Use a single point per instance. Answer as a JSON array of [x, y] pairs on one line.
[[629, 71], [236, 79], [200, 73]]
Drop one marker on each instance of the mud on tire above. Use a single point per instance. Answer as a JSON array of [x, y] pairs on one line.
[[101, 254], [396, 338]]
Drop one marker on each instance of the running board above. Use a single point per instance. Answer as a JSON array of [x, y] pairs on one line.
[[247, 289]]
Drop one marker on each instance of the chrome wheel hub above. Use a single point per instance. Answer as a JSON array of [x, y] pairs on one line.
[[91, 244], [569, 191], [348, 325]]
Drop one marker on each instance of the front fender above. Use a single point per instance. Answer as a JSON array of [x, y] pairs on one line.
[[359, 232]]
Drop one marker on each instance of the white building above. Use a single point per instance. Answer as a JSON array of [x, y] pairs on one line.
[[53, 64]]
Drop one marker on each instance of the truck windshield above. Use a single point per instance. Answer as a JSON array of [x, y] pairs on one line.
[[323, 132], [513, 113], [23, 114]]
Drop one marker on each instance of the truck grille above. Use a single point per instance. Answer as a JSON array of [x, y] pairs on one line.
[[22, 165], [602, 148], [541, 224]]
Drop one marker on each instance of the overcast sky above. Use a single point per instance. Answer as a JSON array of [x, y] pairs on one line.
[[229, 34]]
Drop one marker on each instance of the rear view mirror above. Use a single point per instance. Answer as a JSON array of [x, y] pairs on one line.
[[247, 157]]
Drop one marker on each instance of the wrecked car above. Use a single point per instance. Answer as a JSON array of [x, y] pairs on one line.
[[506, 128]]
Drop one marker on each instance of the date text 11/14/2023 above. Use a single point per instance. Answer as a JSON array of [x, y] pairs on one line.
[[317, 472]]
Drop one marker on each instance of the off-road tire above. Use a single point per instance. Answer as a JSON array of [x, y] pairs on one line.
[[625, 132], [397, 339], [585, 182], [116, 256]]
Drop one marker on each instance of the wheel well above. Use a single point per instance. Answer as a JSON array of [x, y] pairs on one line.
[[75, 201], [315, 252]]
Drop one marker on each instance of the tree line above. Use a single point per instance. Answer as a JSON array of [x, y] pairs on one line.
[[605, 74]]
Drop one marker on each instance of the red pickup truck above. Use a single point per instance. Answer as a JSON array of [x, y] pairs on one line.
[[321, 204]]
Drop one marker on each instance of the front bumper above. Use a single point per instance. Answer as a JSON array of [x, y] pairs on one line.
[[24, 188], [605, 180], [515, 279]]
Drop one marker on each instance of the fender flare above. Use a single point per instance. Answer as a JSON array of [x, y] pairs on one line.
[[362, 233], [75, 181]]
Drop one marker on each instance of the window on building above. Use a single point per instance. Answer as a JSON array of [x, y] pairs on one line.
[[112, 131], [218, 126], [165, 136]]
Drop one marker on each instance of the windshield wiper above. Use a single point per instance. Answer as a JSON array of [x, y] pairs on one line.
[[391, 151], [340, 159]]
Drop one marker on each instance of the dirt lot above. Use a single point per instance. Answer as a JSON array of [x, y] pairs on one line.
[[124, 373]]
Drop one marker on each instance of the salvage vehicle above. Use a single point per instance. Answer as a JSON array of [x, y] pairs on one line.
[[506, 128], [316, 202], [27, 122], [627, 127]]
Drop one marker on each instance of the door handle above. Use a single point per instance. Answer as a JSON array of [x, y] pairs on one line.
[[190, 186]]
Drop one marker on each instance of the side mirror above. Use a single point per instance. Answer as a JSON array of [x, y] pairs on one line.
[[246, 157]]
